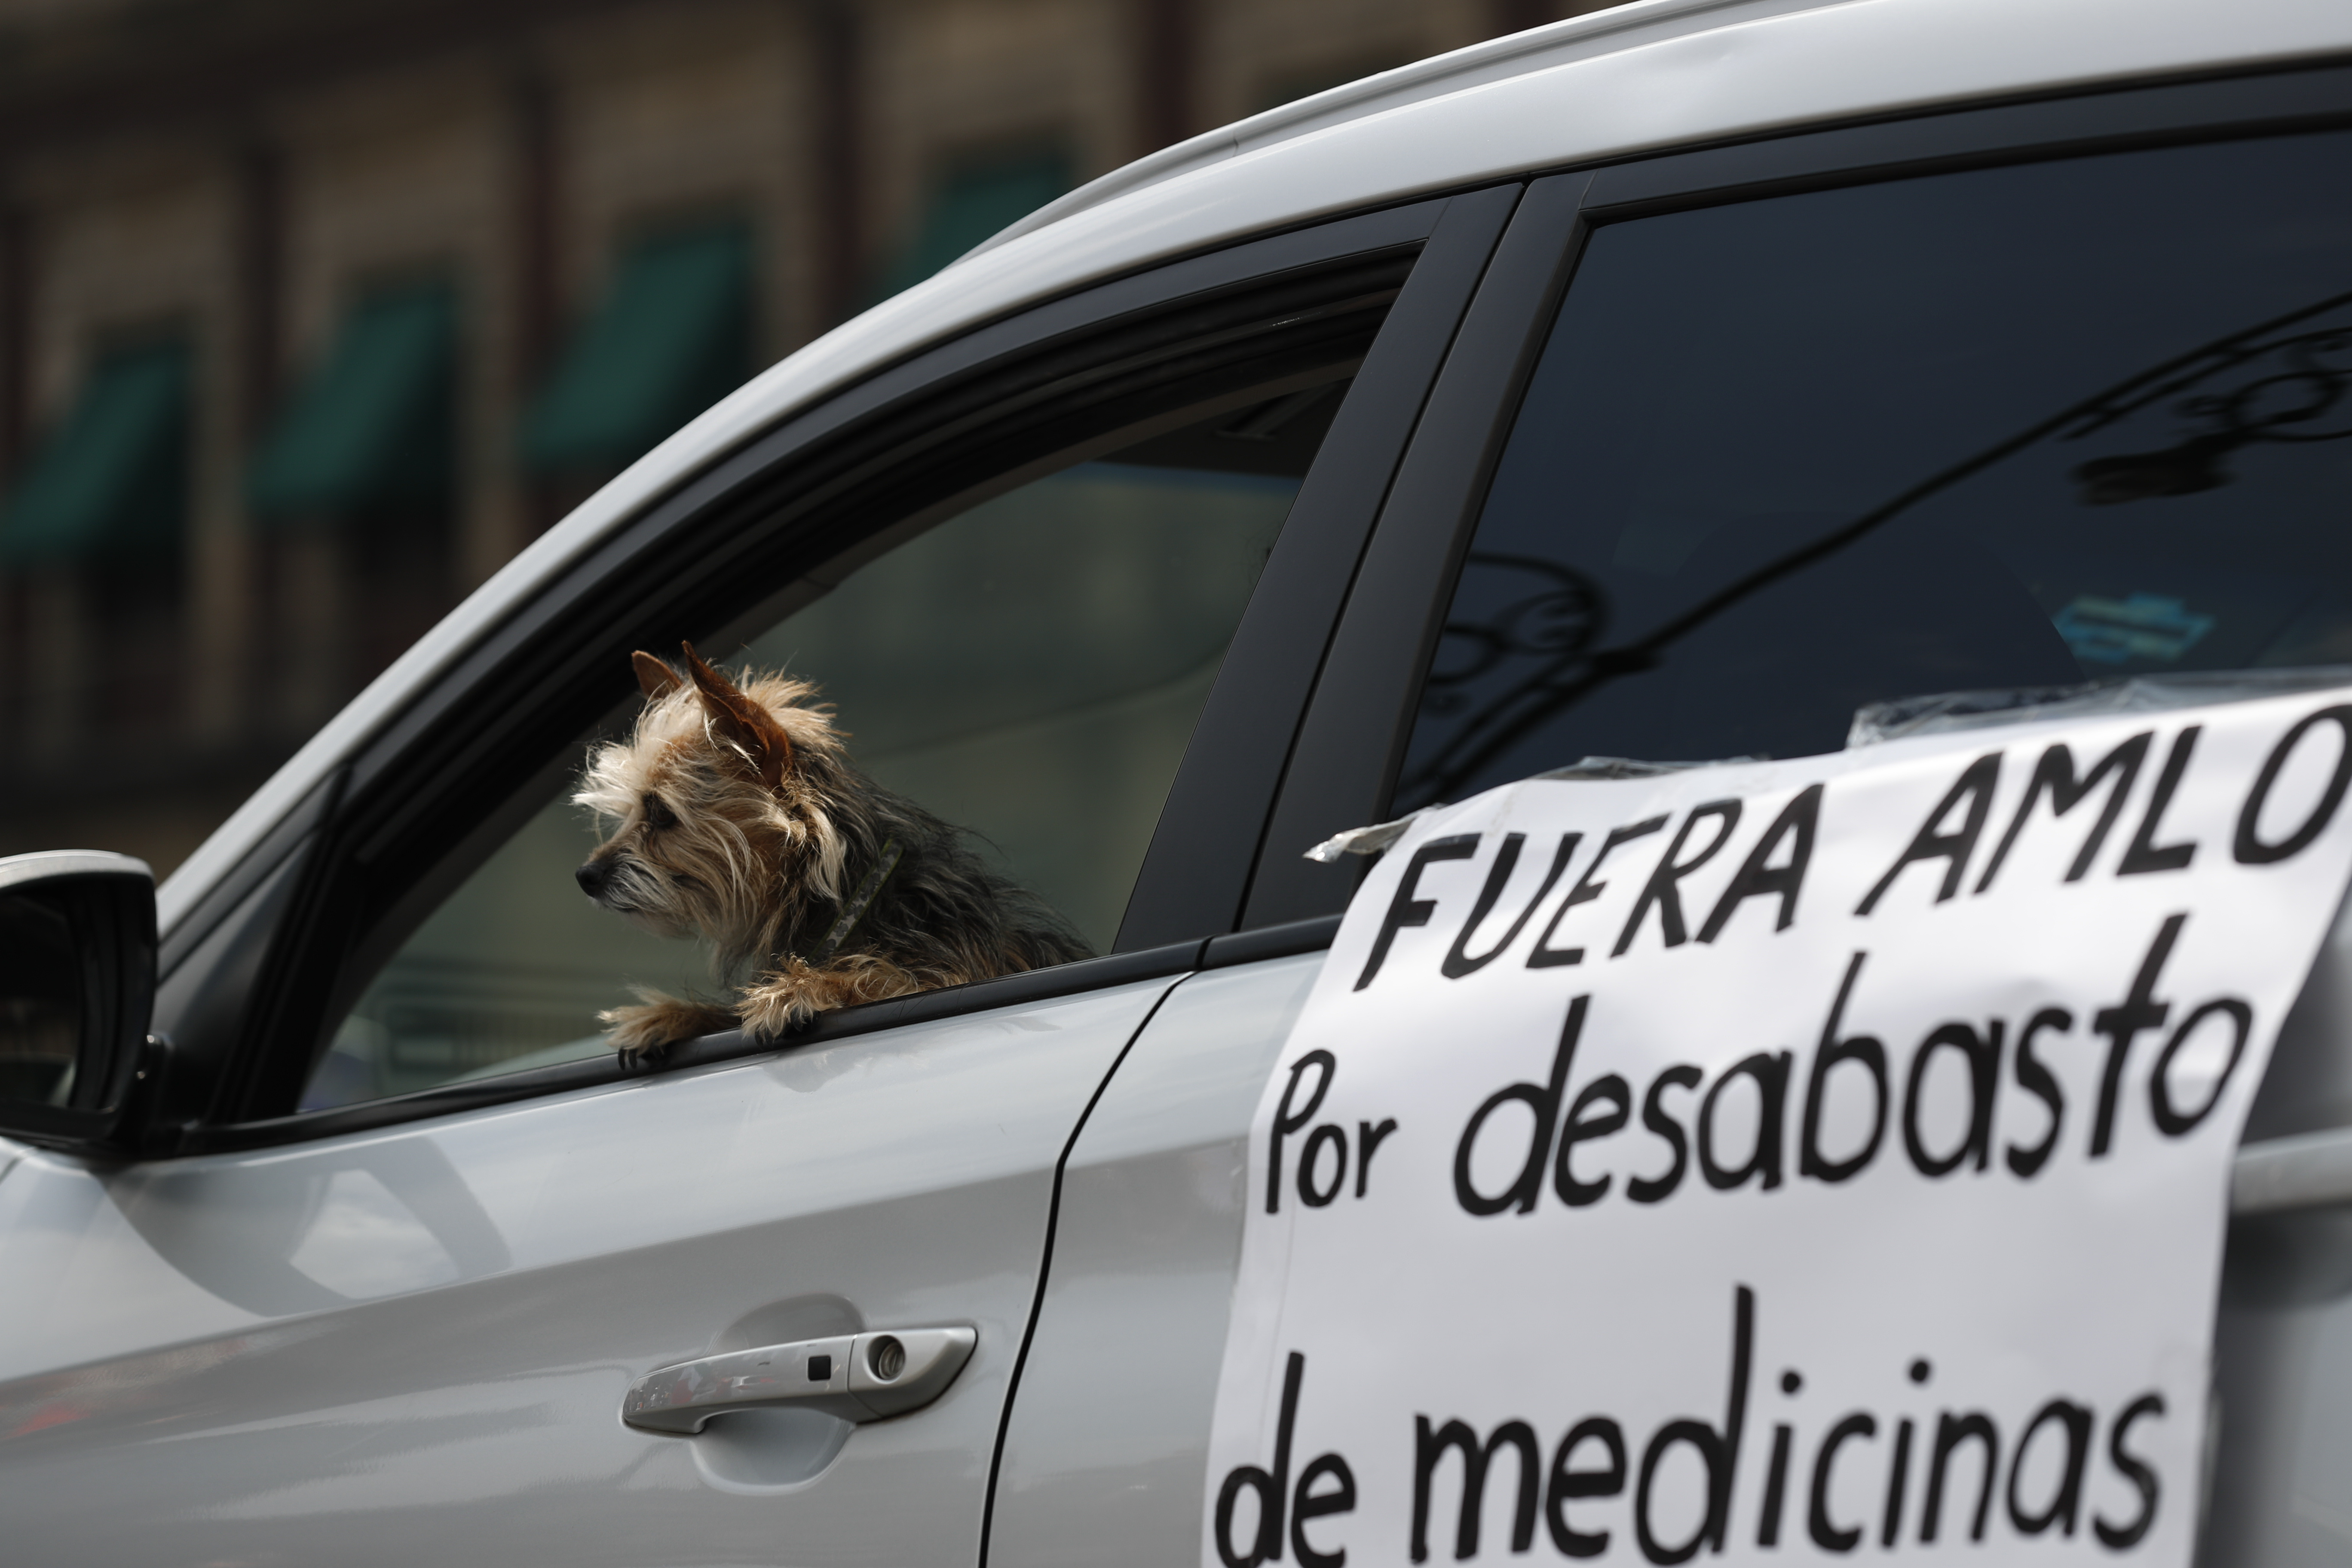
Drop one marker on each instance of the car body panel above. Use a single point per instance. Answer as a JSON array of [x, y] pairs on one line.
[[347, 1349], [1106, 1449]]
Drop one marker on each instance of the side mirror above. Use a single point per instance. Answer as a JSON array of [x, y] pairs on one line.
[[77, 986]]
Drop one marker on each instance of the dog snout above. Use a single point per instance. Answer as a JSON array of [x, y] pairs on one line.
[[594, 876]]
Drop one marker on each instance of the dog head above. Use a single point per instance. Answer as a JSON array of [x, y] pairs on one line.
[[718, 808]]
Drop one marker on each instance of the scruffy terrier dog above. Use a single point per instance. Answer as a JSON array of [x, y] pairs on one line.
[[741, 819]]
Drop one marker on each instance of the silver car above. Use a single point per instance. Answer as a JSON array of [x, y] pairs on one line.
[[1663, 384]]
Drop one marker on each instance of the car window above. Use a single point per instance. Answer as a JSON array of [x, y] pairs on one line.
[[1029, 669], [2022, 426]]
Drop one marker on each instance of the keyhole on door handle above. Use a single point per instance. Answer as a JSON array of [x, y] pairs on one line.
[[885, 1357]]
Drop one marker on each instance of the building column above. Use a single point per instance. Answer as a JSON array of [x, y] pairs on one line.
[[15, 338], [15, 387], [56, 675], [515, 335], [310, 616], [837, 104], [237, 394], [1167, 52]]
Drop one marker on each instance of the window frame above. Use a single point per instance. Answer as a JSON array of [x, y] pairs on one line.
[[1351, 745], [249, 973]]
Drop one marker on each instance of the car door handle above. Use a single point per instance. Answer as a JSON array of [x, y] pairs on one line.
[[859, 1377]]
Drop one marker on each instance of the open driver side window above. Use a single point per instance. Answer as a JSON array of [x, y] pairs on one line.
[[1029, 668]]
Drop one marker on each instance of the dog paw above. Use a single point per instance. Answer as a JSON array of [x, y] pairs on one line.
[[643, 1034], [787, 998], [639, 1035], [771, 1011]]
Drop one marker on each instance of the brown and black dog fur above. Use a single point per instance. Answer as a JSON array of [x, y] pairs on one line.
[[738, 818]]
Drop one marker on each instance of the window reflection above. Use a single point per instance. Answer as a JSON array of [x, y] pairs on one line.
[[2011, 427]]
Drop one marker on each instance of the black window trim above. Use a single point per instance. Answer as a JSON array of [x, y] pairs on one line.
[[1197, 867], [197, 1115], [1351, 745]]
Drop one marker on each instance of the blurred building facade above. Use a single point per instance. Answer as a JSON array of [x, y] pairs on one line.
[[310, 316]]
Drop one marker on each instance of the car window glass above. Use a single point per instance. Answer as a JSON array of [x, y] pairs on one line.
[[1029, 669], [2074, 420], [1032, 670]]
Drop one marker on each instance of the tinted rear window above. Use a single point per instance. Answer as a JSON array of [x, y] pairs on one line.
[[2071, 420]]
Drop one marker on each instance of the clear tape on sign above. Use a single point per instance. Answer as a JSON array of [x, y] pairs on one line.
[[1946, 712], [1378, 837], [1369, 840]]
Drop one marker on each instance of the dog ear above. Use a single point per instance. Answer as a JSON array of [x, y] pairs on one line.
[[742, 722], [656, 678]]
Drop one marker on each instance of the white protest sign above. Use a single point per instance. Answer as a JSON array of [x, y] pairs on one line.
[[1778, 1161]]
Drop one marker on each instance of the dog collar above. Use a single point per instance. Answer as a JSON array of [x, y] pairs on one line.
[[868, 888]]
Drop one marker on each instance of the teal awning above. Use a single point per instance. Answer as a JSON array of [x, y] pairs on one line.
[[112, 479], [972, 203], [374, 427], [672, 336]]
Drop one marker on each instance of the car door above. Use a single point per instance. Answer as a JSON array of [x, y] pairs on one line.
[[401, 1233], [1732, 443]]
